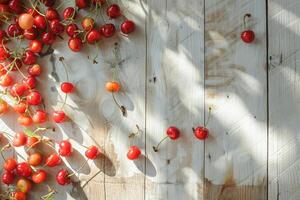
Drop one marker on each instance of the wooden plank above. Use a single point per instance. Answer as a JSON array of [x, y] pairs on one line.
[[284, 41], [235, 89], [175, 97]]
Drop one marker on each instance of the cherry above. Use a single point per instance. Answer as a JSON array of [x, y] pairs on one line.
[[18, 195], [17, 90], [59, 116], [30, 34], [112, 86], [2, 70], [133, 153], [201, 132], [29, 58], [3, 106], [40, 116], [72, 29], [32, 142], [93, 36], [172, 132], [24, 120], [127, 26], [19, 139], [40, 22], [65, 148], [32, 11], [34, 98], [108, 30], [29, 82], [56, 27], [67, 87], [4, 54], [4, 12], [75, 44], [39, 176], [69, 13], [62, 177], [92, 152], [35, 46], [15, 6], [81, 3], [35, 70], [10, 164], [8, 177], [35, 159], [6, 80], [24, 185], [25, 21], [87, 23], [51, 14], [48, 38], [14, 64], [248, 35], [113, 11], [20, 107], [48, 3], [24, 169], [53, 160], [14, 30]]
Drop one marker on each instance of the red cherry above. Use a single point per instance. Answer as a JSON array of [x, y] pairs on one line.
[[65, 148], [59, 116], [71, 30], [24, 120], [4, 54], [56, 27], [24, 185], [39, 176], [35, 70], [19, 139], [15, 6], [67, 87], [113, 11], [23, 169], [20, 107], [34, 98], [4, 12], [87, 23], [248, 36], [53, 160], [75, 44], [62, 177], [133, 153], [69, 13], [48, 3], [35, 46], [6, 80], [92, 152], [35, 159], [48, 38], [2, 70], [14, 65], [32, 12], [29, 58], [81, 3], [93, 36], [32, 142], [8, 177], [29, 82], [173, 133], [127, 26], [108, 30], [30, 34], [201, 132], [51, 14], [17, 90], [40, 116], [14, 30], [17, 195], [40, 22], [10, 164]]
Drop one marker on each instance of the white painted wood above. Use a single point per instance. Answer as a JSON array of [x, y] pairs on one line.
[[236, 90], [284, 29], [175, 97]]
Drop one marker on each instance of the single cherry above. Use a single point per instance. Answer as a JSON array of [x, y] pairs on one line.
[[59, 116], [69, 13], [93, 36], [112, 86], [133, 153], [127, 27], [40, 116], [92, 152], [35, 46], [172, 132], [24, 169], [34, 98], [19, 139], [53, 160], [39, 176], [65, 148], [48, 38], [72, 29], [87, 23], [247, 35], [108, 30], [24, 185], [31, 33], [24, 120], [3, 106], [35, 159], [56, 27], [75, 44], [40, 22], [8, 177], [67, 87], [51, 14], [62, 177], [29, 58], [25, 21], [35, 70], [113, 11], [10, 164]]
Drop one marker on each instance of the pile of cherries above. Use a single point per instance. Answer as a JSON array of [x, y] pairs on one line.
[[27, 34]]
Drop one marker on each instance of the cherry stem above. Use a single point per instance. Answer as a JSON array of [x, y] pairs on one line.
[[208, 117], [80, 168], [247, 15], [31, 146], [65, 101], [48, 51], [2, 149], [155, 148], [89, 180], [61, 59], [122, 108]]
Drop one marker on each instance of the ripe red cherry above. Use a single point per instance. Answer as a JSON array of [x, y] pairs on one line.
[[24, 120], [248, 36], [81, 3], [32, 142], [4, 54], [93, 36], [75, 44], [51, 14], [29, 58], [8, 177], [35, 159], [40, 22], [127, 26], [29, 82], [14, 65], [108, 30], [67, 87], [23, 169], [32, 12], [56, 27], [71, 30], [6, 80], [15, 6], [19, 139], [59, 116], [35, 46], [48, 38], [35, 70], [17, 90], [10, 164], [34, 98], [92, 152], [173, 133], [53, 160], [20, 107], [65, 148], [39, 176], [62, 177], [3, 36], [30, 34], [48, 3], [69, 13], [133, 153], [87, 23], [113, 11], [201, 132], [40, 116], [18, 195], [14, 30], [24, 185]]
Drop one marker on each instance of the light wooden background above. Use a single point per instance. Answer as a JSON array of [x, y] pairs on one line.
[[185, 57]]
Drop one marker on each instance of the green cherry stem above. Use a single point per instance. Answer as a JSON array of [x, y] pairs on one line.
[[208, 117], [155, 148], [80, 168]]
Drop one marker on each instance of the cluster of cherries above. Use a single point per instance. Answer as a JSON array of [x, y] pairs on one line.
[[41, 25]]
